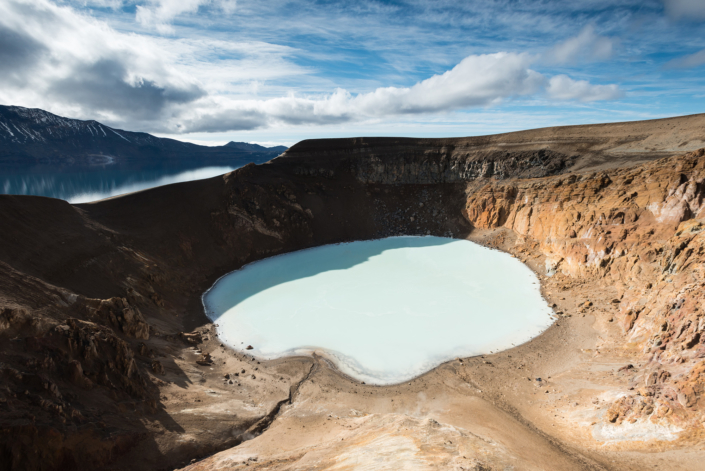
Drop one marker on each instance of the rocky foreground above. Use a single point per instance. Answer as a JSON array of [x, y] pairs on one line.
[[108, 361]]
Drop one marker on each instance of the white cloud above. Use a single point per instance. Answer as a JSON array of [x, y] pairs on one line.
[[562, 87], [227, 6], [73, 63], [114, 4], [477, 81], [685, 62], [160, 13], [689, 9], [587, 46]]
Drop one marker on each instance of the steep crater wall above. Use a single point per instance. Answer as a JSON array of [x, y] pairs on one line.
[[426, 163], [97, 298], [641, 230]]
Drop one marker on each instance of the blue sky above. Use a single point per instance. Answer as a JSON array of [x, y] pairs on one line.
[[282, 71]]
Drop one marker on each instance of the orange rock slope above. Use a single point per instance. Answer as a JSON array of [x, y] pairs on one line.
[[641, 230]]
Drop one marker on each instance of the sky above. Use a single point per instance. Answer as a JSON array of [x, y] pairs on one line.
[[279, 71]]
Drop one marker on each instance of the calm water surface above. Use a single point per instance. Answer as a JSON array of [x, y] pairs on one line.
[[384, 311], [92, 184]]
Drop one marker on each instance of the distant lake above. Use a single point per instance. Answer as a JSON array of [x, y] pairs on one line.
[[102, 181]]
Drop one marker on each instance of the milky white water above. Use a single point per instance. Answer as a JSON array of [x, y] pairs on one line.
[[384, 311]]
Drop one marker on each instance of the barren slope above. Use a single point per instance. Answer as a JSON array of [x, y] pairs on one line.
[[107, 359]]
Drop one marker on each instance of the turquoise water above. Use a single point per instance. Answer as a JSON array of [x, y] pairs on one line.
[[384, 311]]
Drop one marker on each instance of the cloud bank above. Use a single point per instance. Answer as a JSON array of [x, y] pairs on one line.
[[61, 59], [686, 62], [562, 87], [689, 9], [160, 13], [76, 65], [587, 46], [477, 81]]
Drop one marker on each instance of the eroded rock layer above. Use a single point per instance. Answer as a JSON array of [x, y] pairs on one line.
[[641, 230]]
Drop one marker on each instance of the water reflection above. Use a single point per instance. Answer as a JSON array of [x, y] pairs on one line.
[[98, 182]]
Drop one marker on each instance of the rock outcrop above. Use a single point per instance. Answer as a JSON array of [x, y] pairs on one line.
[[641, 230]]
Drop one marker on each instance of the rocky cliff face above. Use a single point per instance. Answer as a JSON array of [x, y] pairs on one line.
[[106, 354], [641, 230]]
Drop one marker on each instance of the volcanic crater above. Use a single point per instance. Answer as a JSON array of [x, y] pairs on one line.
[[109, 361]]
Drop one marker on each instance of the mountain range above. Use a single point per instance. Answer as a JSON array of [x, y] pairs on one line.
[[31, 136]]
